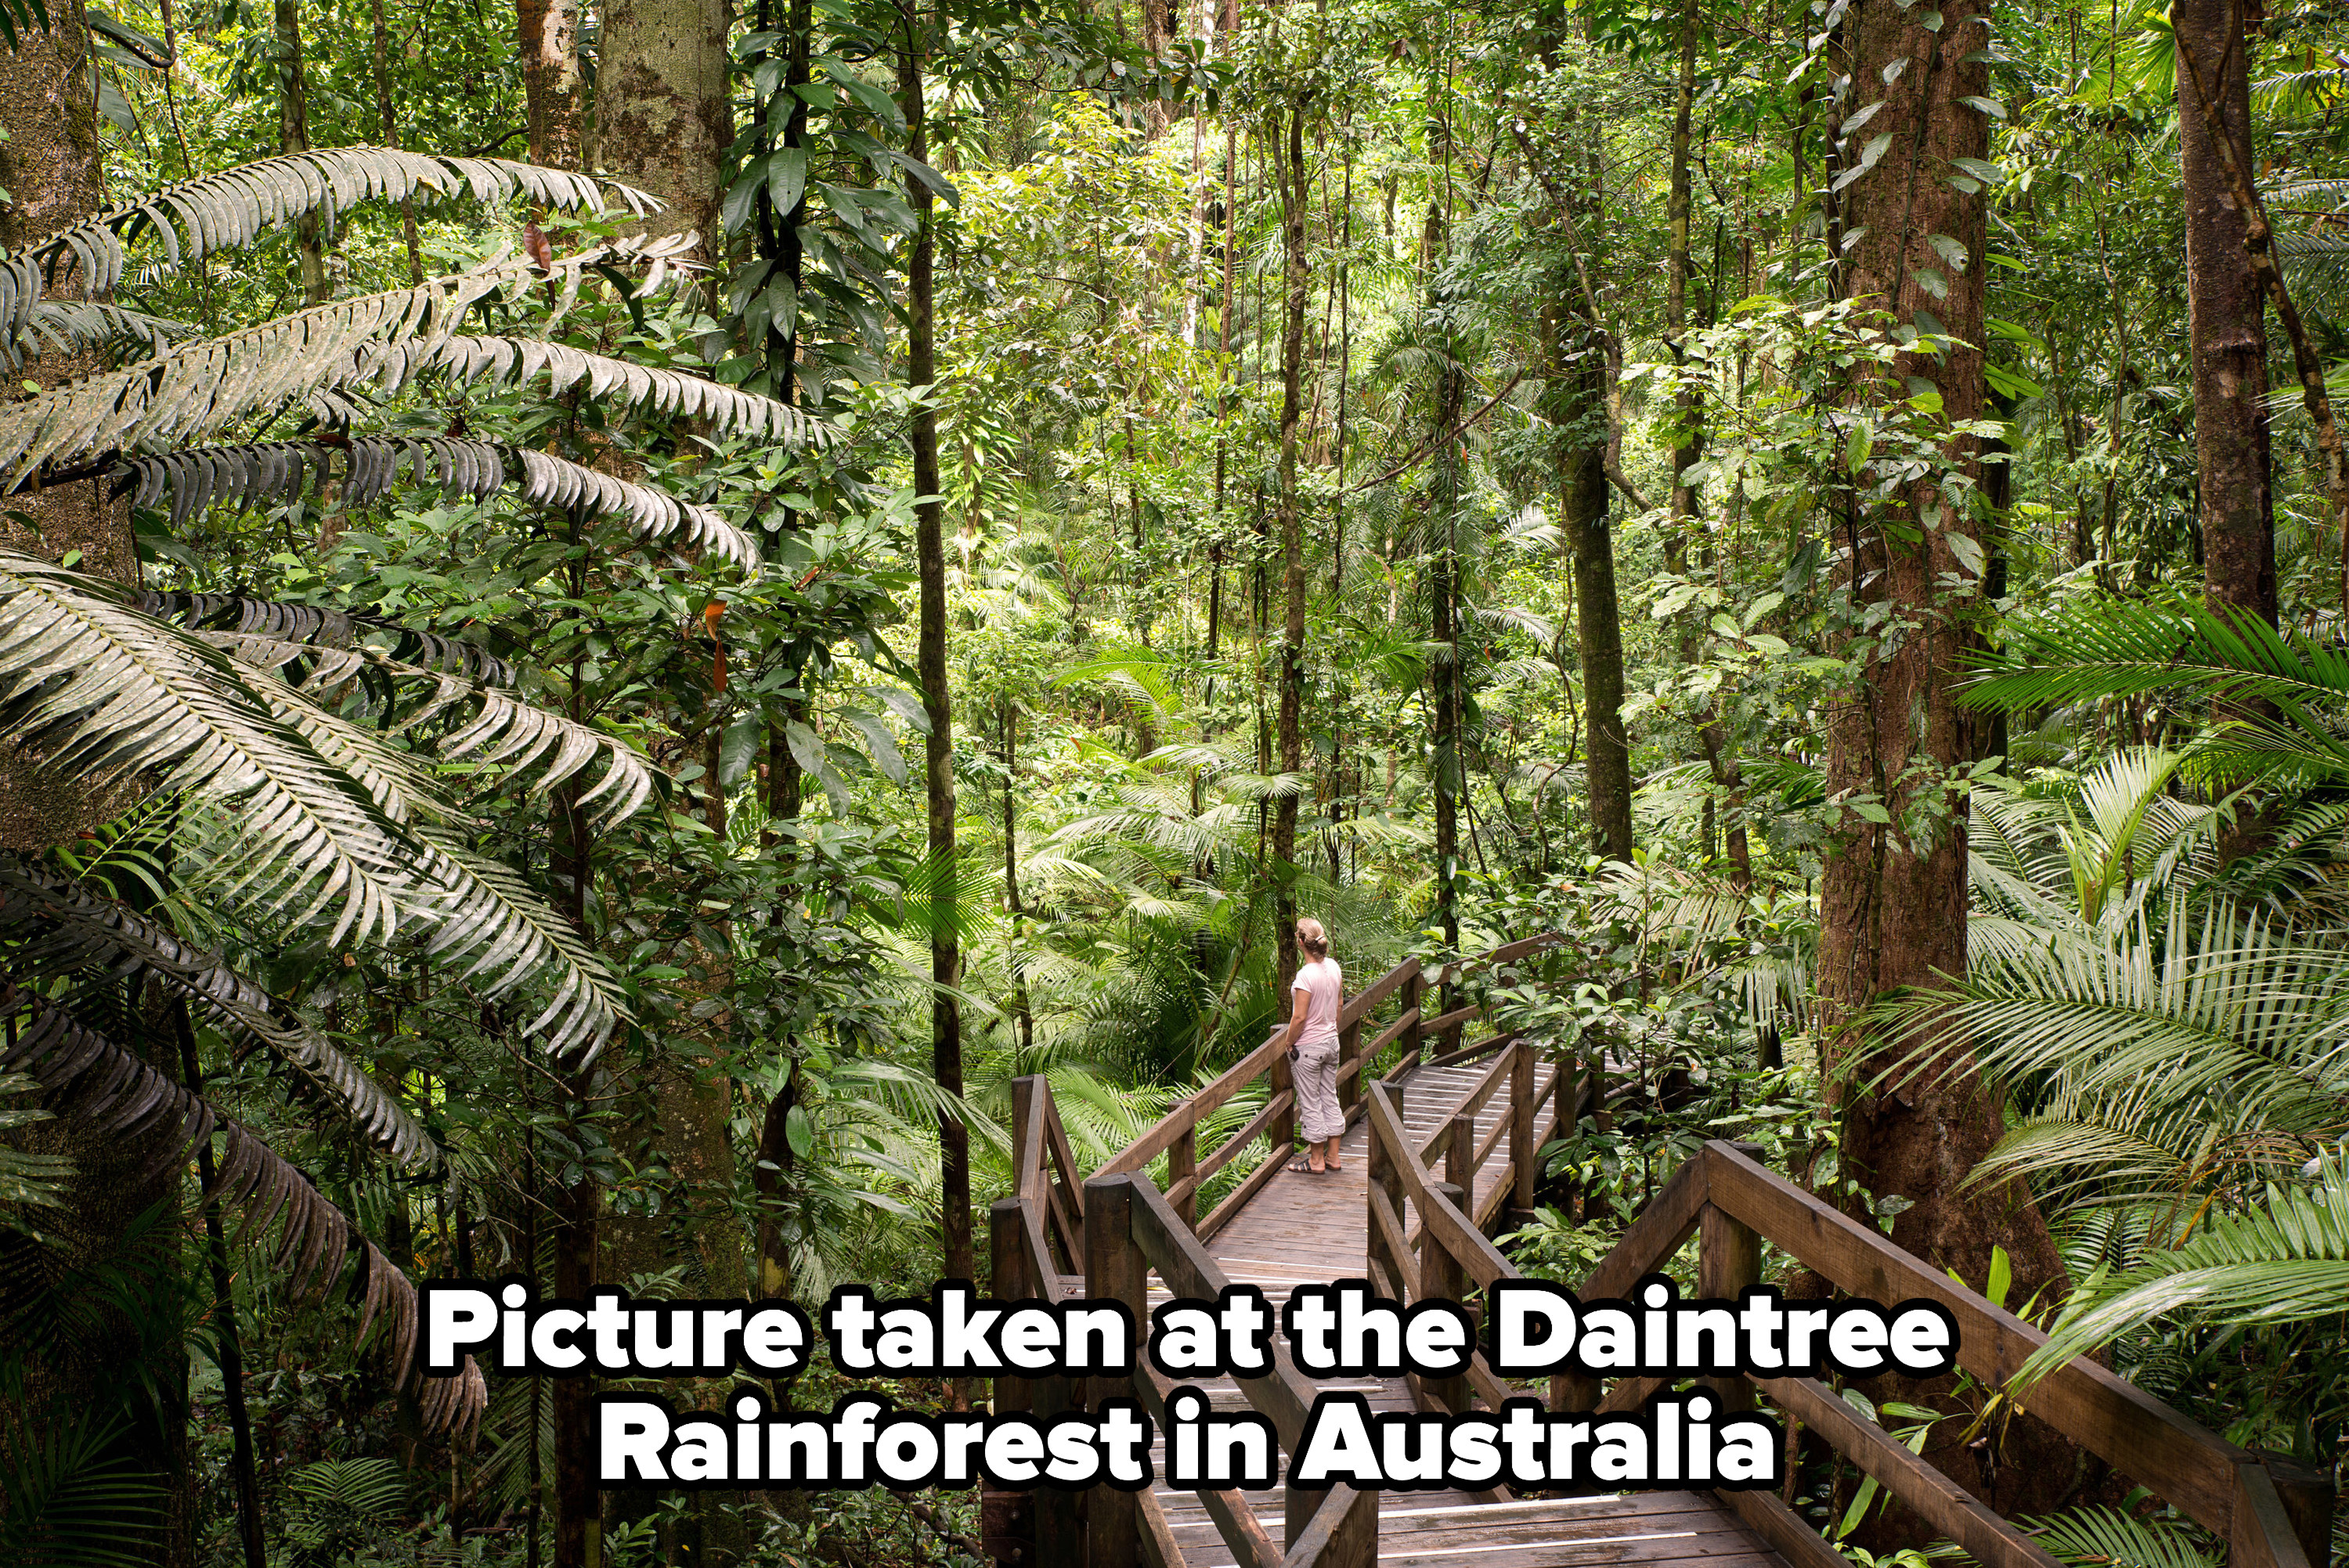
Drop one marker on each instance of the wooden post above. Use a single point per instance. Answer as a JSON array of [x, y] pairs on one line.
[[2308, 1502], [1729, 1259], [1349, 1045], [1440, 1277], [1521, 1148], [1115, 1270], [1009, 1282], [1058, 1516], [1183, 1165], [1024, 1100], [1415, 993], [1354, 1540], [1007, 1518], [1385, 1178], [1281, 1134], [1460, 1147]]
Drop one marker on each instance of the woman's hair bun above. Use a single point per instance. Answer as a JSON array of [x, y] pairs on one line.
[[1312, 938]]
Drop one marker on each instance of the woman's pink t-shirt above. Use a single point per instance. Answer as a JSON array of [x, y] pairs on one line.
[[1324, 985]]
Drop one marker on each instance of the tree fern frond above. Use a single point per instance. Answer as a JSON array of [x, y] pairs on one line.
[[484, 911], [89, 1077], [233, 207], [94, 687], [56, 926], [368, 467]]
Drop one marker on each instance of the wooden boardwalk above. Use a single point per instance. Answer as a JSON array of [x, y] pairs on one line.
[[1441, 1147], [1302, 1229]]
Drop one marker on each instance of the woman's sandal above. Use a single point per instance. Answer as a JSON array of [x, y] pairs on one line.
[[1305, 1167]]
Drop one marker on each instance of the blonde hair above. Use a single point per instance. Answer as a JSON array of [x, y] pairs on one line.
[[1311, 937]]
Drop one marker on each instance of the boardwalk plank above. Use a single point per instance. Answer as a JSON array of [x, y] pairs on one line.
[[1304, 1228]]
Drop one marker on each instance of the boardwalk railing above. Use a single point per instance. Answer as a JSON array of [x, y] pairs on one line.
[[1189, 1169], [1060, 1236], [2271, 1517]]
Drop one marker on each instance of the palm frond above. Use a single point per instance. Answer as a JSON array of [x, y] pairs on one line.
[[93, 686], [2129, 647], [312, 356], [57, 927], [233, 207], [2105, 1537], [70, 1498], [368, 467], [68, 327], [27, 1180], [493, 729], [330, 629], [484, 911], [2150, 1061], [89, 1077], [2287, 1261]]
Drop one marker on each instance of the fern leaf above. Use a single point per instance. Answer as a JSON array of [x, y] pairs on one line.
[[369, 467], [94, 687], [57, 927], [388, 339], [88, 1077], [232, 209]]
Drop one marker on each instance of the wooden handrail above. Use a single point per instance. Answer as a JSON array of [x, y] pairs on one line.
[[2183, 1462], [1376, 991], [1726, 1193]]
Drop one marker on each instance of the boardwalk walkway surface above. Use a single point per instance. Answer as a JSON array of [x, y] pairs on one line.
[[1441, 1154], [1308, 1229]]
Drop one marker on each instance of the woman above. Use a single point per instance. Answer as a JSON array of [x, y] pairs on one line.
[[1319, 993]]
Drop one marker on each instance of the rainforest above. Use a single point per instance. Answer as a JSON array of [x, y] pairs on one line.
[[757, 654]]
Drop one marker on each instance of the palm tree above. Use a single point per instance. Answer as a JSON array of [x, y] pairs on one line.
[[293, 758]]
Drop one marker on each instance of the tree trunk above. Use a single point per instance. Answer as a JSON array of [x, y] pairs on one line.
[[546, 38], [1893, 896], [388, 124], [929, 530], [2228, 325], [662, 111], [2228, 328], [1023, 1016], [52, 168], [1288, 169], [1598, 617], [1448, 772], [294, 136]]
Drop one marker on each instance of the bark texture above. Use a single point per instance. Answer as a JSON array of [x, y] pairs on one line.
[[1893, 897], [51, 165], [547, 38], [662, 117], [929, 526], [2228, 321], [1597, 615]]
